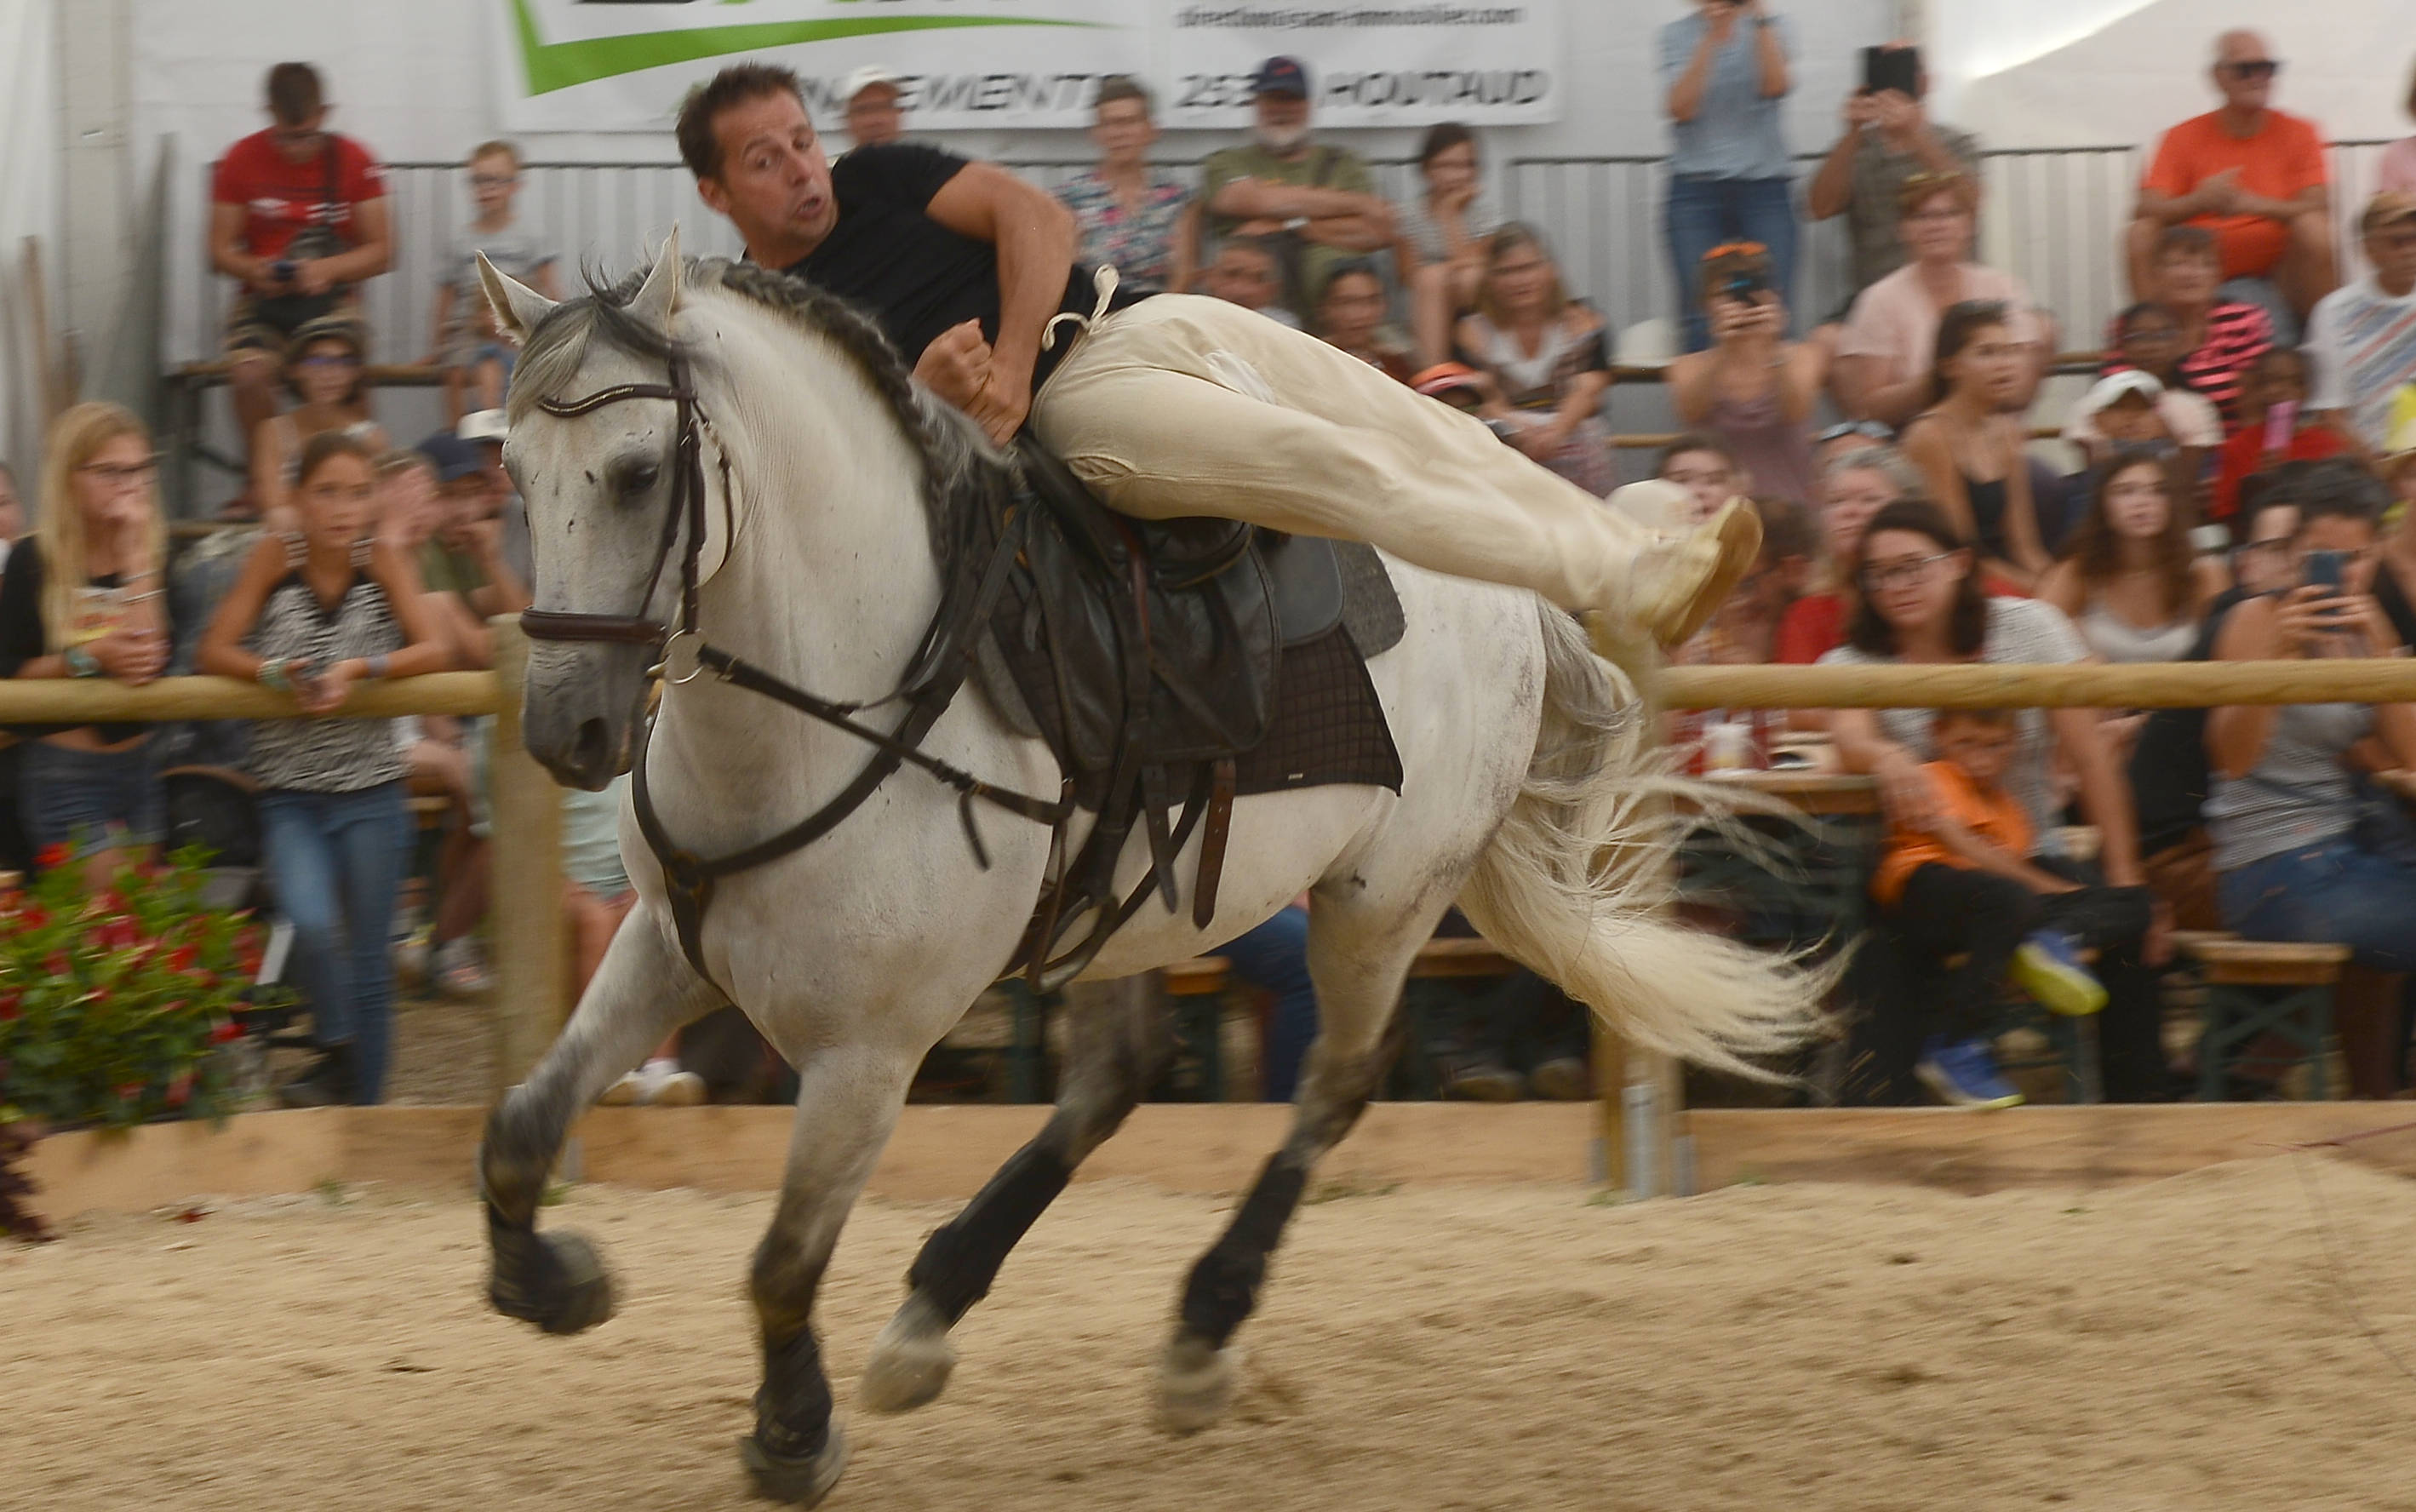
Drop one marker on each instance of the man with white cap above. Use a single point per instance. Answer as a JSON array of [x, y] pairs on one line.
[[874, 114], [1171, 405]]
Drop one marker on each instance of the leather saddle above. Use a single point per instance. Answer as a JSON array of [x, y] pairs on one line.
[[1146, 654]]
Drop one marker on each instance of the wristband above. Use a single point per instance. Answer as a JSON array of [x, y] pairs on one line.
[[272, 677], [375, 667], [81, 662]]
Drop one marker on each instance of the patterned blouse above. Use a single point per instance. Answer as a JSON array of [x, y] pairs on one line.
[[1140, 245], [318, 755]]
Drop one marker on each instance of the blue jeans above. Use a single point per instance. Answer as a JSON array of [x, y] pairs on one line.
[[1274, 958], [89, 800], [336, 860], [2335, 892], [1702, 213]]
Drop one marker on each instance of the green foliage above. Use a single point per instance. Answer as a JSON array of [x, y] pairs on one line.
[[111, 1004]]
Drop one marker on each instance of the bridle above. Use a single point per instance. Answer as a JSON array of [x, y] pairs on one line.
[[943, 659]]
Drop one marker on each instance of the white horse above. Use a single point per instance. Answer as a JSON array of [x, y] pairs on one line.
[[1531, 796]]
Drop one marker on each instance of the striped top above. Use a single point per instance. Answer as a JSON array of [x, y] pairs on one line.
[[2236, 336], [2361, 343], [315, 755]]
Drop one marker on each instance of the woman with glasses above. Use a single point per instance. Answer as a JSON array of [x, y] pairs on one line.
[[2298, 848], [324, 373], [1753, 390], [1921, 602], [316, 611], [1884, 353], [81, 597]]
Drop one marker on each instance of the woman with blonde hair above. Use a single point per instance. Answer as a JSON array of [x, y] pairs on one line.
[[81, 598], [1545, 358]]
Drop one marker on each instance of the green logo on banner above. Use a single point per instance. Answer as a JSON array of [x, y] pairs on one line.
[[552, 66]]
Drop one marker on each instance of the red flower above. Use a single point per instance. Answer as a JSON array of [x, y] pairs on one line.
[[34, 917], [128, 1091], [183, 957], [227, 1030], [180, 1090], [52, 857], [8, 1004], [120, 932], [58, 965]]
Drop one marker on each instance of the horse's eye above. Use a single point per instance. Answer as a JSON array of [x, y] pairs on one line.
[[639, 477]]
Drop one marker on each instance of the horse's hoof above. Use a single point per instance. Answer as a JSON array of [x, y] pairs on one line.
[[800, 1482], [557, 1282], [1196, 1381], [911, 1360]]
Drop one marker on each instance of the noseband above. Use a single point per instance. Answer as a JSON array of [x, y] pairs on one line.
[[943, 658]]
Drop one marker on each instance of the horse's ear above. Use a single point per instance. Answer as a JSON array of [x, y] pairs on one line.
[[517, 306], [659, 298]]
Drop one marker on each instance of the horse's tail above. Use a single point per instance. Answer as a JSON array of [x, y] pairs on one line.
[[1578, 883]]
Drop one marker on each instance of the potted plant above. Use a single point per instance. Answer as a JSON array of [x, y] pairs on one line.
[[116, 1006]]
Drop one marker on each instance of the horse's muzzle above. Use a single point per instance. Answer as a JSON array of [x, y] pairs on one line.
[[579, 713]]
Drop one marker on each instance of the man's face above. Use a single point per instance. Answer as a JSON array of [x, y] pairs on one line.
[[2244, 70], [1244, 276], [302, 141], [2188, 279], [2131, 419], [2279, 379], [773, 183], [873, 117], [1282, 121], [1982, 751], [2392, 249], [1352, 309]]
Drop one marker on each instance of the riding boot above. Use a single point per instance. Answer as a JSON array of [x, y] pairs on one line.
[[1676, 585], [325, 1082]]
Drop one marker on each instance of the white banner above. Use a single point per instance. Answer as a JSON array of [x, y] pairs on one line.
[[623, 65], [1403, 63]]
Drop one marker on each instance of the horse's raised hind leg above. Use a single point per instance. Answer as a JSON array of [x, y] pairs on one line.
[[1117, 1045], [642, 991], [848, 1101], [1358, 957]]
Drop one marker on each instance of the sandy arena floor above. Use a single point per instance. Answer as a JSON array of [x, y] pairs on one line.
[[2179, 1346]]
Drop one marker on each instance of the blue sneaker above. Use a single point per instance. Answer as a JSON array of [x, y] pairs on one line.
[[2048, 967], [1965, 1075]]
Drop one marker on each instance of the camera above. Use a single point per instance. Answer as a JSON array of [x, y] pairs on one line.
[[1746, 284]]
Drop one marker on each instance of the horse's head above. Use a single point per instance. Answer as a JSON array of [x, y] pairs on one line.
[[603, 488]]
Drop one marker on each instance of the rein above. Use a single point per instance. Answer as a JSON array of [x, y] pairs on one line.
[[943, 659]]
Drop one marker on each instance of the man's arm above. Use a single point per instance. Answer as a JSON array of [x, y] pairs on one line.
[[1986, 855], [1832, 186], [365, 259], [2105, 793], [1769, 52], [1263, 199], [1035, 236], [2316, 199], [227, 253]]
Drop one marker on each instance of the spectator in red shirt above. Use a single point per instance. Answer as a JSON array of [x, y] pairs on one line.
[[2276, 426], [2217, 339], [297, 218], [2249, 174]]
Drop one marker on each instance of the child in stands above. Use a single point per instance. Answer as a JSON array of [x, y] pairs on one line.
[[1963, 886], [2276, 426]]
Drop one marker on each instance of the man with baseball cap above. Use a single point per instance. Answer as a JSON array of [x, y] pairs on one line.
[[2361, 338], [1316, 199], [1169, 406], [874, 114]]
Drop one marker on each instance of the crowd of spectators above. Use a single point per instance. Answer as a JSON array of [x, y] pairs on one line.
[[1927, 526]]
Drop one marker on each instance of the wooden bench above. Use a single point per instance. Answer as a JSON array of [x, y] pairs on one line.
[[2260, 988], [180, 417]]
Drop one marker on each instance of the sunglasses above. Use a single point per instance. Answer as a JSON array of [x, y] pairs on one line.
[[1868, 430], [2259, 68]]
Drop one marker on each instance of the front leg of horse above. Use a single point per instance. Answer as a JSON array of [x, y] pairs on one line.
[[848, 1101], [1117, 1046], [642, 992]]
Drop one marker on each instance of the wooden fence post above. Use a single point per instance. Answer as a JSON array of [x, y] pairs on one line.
[[525, 851]]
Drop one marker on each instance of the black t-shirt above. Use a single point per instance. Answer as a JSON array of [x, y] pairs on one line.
[[21, 631], [2168, 769], [915, 276]]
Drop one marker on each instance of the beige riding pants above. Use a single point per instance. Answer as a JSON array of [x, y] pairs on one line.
[[1185, 405]]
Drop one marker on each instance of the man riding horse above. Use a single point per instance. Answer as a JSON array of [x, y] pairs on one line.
[[1173, 405]]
